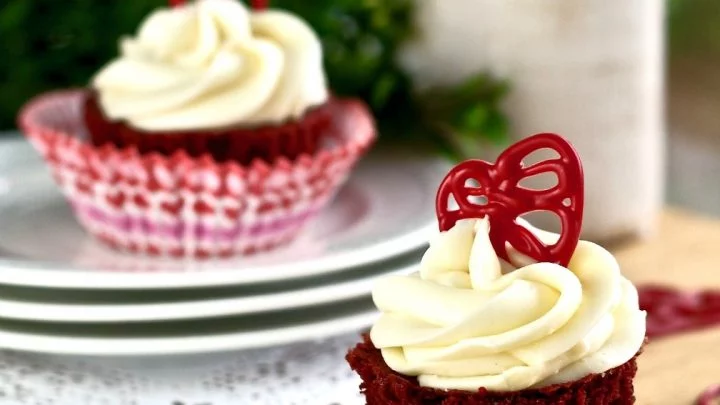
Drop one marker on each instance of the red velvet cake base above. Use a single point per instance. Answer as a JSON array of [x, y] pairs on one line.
[[383, 386], [239, 144]]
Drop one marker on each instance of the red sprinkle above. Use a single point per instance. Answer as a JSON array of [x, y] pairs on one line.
[[711, 394], [176, 3], [496, 192], [673, 311]]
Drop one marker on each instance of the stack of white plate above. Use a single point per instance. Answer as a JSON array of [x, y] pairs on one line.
[[63, 292]]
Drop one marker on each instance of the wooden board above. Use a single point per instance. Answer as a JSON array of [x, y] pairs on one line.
[[685, 252]]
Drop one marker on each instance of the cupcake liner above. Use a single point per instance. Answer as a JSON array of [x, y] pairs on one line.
[[383, 386], [180, 205], [242, 145]]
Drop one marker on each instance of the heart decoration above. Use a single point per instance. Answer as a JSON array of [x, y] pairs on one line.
[[494, 190]]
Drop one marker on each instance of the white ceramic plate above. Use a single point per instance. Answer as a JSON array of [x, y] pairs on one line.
[[371, 220], [52, 305], [172, 338]]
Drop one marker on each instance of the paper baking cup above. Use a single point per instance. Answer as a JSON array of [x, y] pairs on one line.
[[182, 206]]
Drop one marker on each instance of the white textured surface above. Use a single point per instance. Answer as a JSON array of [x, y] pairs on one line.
[[590, 70], [302, 374]]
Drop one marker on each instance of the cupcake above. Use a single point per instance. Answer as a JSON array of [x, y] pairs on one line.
[[213, 133], [501, 312], [213, 77]]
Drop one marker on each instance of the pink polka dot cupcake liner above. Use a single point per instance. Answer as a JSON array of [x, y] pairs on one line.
[[184, 206]]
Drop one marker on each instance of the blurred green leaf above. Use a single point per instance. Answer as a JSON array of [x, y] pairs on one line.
[[383, 89], [695, 27], [474, 118], [467, 114], [49, 44]]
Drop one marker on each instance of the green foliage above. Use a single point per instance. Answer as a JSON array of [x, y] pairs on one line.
[[695, 28], [50, 44], [461, 114], [360, 39]]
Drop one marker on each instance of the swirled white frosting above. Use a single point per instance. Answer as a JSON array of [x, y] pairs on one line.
[[464, 322], [211, 64]]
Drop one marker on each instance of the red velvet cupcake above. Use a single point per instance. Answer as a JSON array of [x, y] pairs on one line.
[[212, 77], [212, 134], [501, 312]]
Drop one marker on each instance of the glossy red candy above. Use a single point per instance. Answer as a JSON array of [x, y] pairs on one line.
[[480, 188]]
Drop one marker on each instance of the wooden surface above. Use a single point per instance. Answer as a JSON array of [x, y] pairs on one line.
[[685, 252]]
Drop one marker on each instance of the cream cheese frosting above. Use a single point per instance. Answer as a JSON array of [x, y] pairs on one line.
[[466, 320], [213, 63]]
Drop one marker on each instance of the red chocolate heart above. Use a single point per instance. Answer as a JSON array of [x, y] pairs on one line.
[[499, 195]]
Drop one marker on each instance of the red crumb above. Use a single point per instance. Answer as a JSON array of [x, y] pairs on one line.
[[383, 386]]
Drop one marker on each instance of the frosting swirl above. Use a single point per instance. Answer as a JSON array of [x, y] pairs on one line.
[[211, 64], [465, 321]]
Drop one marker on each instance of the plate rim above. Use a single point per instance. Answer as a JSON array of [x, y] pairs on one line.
[[184, 345], [22, 273], [36, 311]]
